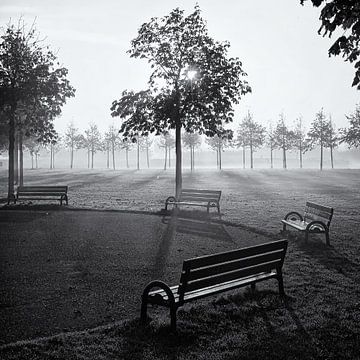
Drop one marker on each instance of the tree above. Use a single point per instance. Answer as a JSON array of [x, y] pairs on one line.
[[318, 134], [55, 146], [332, 139], [250, 134], [33, 146], [93, 142], [283, 138], [73, 140], [146, 145], [192, 74], [33, 88], [299, 139], [112, 139], [351, 135], [218, 143], [127, 145], [344, 15], [167, 142], [271, 143], [192, 141]]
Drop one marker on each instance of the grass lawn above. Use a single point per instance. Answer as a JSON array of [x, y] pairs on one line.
[[71, 277]]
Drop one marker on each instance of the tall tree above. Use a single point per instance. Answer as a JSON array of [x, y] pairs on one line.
[[93, 142], [299, 139], [332, 139], [252, 134], [351, 135], [167, 142], [146, 145], [343, 17], [318, 134], [112, 137], [218, 143], [192, 141], [29, 79], [33, 146], [127, 145], [283, 138], [54, 147], [271, 143], [192, 74], [73, 140]]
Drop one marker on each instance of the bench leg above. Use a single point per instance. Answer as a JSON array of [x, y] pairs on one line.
[[281, 283], [253, 287], [143, 314], [173, 317], [284, 227], [327, 238], [306, 236]]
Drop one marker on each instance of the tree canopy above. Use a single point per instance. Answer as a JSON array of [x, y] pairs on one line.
[[193, 84], [342, 15]]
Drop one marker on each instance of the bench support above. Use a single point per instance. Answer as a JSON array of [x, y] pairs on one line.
[[170, 302]]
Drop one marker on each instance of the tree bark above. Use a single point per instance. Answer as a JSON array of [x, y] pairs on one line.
[[220, 165], [127, 158], [331, 157], [138, 156], [72, 156], [251, 156], [92, 158], [321, 156], [165, 163], [178, 169], [284, 157], [243, 157], [107, 156], [147, 157], [271, 158], [21, 159], [113, 154], [11, 153], [16, 160], [191, 159]]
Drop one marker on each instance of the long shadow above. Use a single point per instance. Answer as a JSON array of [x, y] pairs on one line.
[[200, 227], [331, 258]]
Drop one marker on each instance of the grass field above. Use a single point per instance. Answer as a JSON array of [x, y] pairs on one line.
[[71, 277]]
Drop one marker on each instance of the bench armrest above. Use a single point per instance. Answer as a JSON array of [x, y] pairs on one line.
[[316, 226], [159, 284], [293, 215]]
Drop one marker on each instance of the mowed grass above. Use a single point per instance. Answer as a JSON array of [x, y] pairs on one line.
[[98, 261]]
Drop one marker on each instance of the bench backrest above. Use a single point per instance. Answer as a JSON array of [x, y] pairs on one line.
[[315, 212], [199, 195], [41, 189], [204, 271]]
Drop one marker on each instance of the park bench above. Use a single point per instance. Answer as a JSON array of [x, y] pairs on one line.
[[192, 197], [212, 274], [41, 193], [316, 219]]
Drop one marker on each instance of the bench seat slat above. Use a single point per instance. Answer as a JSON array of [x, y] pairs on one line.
[[200, 293]]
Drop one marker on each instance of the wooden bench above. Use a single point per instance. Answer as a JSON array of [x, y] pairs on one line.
[[41, 193], [316, 219], [192, 197], [212, 274]]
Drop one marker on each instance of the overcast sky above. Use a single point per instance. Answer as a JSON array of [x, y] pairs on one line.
[[286, 60]]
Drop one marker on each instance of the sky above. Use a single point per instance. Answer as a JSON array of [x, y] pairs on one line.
[[287, 62]]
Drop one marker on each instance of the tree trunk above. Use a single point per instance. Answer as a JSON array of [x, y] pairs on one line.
[[32, 161], [191, 159], [92, 158], [51, 156], [138, 156], [217, 158], [165, 163], [16, 160], [11, 153], [178, 169], [107, 156], [113, 154], [53, 159], [321, 156], [169, 157], [271, 158], [284, 157], [251, 156], [21, 160], [301, 158], [147, 157], [331, 156], [88, 158], [72, 156], [36, 160], [127, 158], [220, 158], [243, 157]]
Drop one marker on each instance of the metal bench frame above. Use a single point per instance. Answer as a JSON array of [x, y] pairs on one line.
[[316, 219], [193, 197], [212, 274], [41, 193]]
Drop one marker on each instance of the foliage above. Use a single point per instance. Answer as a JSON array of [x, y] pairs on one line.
[[250, 133], [342, 16], [73, 140], [351, 135], [191, 140], [175, 46], [283, 137]]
